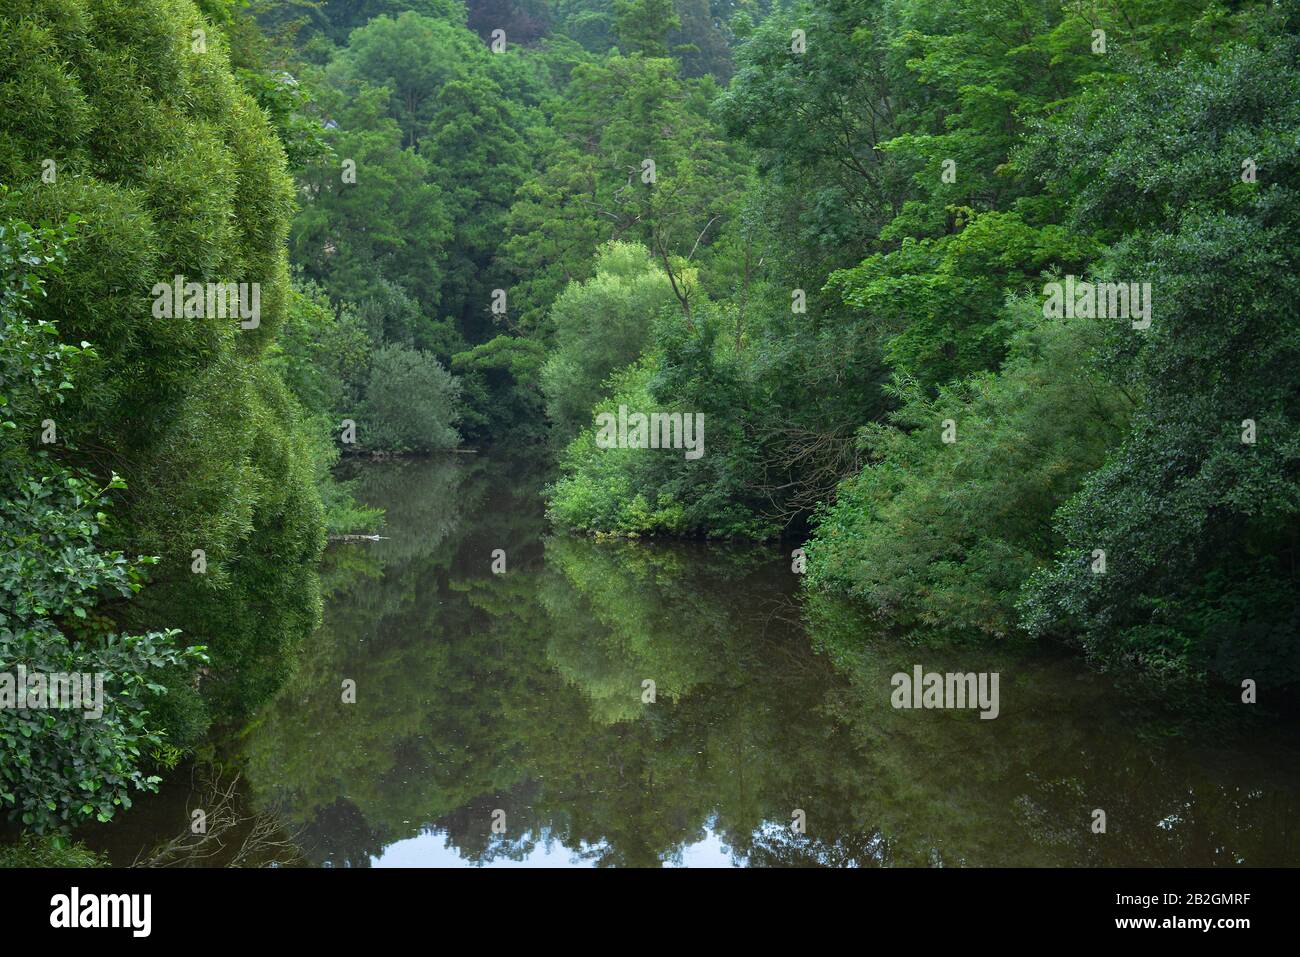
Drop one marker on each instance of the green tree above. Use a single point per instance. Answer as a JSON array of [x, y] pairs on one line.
[[633, 156], [410, 402], [600, 326], [642, 26], [953, 512], [478, 157], [372, 215], [412, 56], [500, 381], [1197, 509], [175, 170]]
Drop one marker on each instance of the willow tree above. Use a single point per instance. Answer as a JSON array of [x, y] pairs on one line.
[[127, 115]]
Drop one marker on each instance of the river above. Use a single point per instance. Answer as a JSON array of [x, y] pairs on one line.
[[507, 718]]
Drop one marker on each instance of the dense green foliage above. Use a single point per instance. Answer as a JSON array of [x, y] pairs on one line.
[[61, 767], [174, 171], [123, 120], [939, 536], [1199, 524], [410, 400], [829, 229], [920, 173], [601, 325]]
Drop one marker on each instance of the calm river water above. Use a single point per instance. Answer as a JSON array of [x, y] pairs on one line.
[[503, 720]]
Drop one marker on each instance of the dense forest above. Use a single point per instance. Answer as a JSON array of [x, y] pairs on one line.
[[987, 310]]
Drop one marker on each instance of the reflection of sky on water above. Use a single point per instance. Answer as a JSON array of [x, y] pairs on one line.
[[433, 850]]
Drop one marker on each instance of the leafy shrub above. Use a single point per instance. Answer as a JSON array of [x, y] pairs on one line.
[[628, 491]]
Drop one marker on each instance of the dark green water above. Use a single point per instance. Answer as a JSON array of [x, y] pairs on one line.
[[518, 697]]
